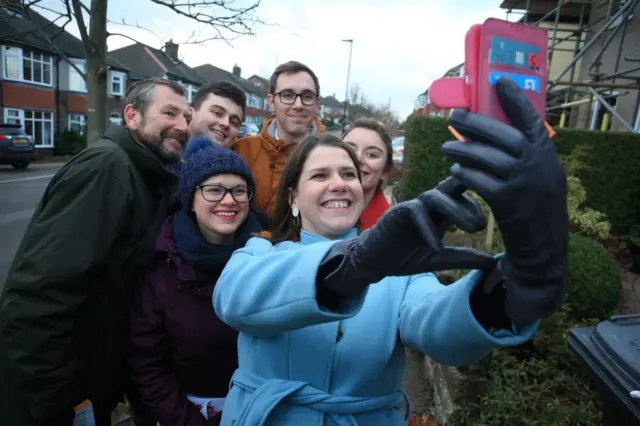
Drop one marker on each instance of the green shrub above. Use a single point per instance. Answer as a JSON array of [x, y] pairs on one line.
[[607, 171], [540, 384], [610, 174], [70, 142], [423, 164], [594, 285]]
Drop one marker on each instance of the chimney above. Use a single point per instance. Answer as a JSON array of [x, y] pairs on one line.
[[237, 70], [171, 49]]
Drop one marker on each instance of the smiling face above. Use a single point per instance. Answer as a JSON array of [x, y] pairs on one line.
[[294, 120], [329, 193], [164, 126], [372, 153], [217, 118], [219, 220]]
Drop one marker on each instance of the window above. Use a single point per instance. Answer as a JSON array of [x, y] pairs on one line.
[[77, 123], [191, 92], [12, 63], [77, 82], [28, 66], [253, 101], [13, 116], [38, 124], [117, 83]]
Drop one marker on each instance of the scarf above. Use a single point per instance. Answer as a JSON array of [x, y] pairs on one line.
[[196, 250]]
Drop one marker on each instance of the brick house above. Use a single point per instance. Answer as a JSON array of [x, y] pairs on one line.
[[331, 109], [255, 89], [38, 87], [423, 105]]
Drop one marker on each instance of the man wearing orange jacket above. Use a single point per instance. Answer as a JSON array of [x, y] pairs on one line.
[[294, 97]]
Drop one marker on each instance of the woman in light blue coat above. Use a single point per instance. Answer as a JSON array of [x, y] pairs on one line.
[[324, 315]]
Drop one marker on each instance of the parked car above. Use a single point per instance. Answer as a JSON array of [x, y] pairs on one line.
[[248, 130], [16, 147], [398, 150]]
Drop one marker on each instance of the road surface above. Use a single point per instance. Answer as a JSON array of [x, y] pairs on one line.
[[20, 191]]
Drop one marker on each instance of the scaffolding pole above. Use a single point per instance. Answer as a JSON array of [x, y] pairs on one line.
[[611, 109], [597, 30], [623, 10]]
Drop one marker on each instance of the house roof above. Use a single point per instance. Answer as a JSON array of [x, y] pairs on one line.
[[262, 80], [211, 73], [147, 62], [30, 29], [452, 72], [331, 102]]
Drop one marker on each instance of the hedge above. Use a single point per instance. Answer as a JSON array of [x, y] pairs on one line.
[[610, 176]]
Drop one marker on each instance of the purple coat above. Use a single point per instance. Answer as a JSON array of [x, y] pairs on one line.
[[178, 344]]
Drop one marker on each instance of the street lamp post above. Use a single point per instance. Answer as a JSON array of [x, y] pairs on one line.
[[346, 95]]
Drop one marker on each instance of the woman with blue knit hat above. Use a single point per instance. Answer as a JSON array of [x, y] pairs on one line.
[[182, 356]]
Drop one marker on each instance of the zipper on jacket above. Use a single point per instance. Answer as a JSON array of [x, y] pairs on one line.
[[339, 333]]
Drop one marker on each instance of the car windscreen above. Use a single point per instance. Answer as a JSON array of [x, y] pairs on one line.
[[12, 131]]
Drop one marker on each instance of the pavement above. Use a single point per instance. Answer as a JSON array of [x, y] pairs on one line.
[[20, 192]]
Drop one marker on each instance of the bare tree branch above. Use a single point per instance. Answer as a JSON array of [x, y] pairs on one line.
[[229, 22], [136, 25], [40, 31], [109, 34]]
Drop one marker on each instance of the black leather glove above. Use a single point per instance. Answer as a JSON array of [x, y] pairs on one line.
[[517, 171], [407, 240]]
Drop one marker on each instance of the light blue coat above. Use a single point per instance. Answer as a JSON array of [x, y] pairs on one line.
[[300, 364]]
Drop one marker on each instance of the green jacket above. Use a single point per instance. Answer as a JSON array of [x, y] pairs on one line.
[[64, 308]]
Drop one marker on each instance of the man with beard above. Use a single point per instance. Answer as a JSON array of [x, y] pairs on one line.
[[64, 308], [294, 98]]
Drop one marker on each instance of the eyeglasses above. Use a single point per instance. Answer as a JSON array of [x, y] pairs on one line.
[[215, 193], [289, 97]]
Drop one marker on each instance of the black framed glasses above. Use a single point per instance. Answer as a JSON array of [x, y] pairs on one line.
[[215, 193], [289, 97]]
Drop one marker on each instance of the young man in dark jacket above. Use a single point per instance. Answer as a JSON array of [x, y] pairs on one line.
[[63, 310]]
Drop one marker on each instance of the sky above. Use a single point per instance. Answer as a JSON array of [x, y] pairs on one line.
[[399, 46]]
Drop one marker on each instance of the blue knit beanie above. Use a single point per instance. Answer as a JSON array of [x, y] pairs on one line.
[[204, 158]]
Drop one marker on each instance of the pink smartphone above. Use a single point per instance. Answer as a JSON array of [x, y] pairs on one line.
[[493, 49]]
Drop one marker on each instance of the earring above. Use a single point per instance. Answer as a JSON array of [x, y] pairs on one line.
[[296, 220]]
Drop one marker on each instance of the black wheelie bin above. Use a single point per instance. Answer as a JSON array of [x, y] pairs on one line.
[[611, 352]]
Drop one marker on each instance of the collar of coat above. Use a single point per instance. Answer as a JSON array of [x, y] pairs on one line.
[[307, 237], [149, 165]]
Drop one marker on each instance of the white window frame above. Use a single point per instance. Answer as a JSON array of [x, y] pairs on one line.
[[116, 75], [8, 117], [191, 92], [82, 64], [23, 121], [46, 60], [79, 119]]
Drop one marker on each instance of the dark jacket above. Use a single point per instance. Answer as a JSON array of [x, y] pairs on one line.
[[65, 305], [178, 344]]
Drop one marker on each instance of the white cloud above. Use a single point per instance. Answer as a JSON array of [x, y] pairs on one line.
[[399, 46]]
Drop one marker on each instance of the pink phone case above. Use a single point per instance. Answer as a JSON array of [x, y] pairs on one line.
[[493, 49]]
